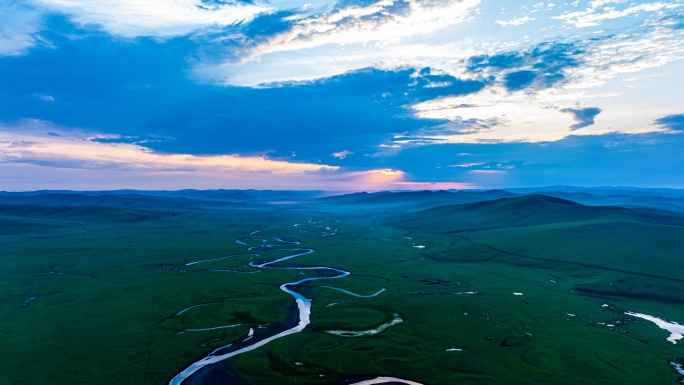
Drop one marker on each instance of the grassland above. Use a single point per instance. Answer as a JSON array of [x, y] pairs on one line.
[[91, 294]]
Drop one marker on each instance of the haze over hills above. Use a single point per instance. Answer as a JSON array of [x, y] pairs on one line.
[[527, 210], [199, 195], [603, 190], [666, 199], [425, 196]]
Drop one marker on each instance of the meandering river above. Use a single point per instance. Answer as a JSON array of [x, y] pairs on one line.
[[298, 320]]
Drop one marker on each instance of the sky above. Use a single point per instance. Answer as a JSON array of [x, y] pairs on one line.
[[340, 94]]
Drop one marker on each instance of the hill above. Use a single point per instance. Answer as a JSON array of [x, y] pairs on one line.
[[416, 200], [528, 210], [662, 199], [636, 252], [110, 199], [21, 213]]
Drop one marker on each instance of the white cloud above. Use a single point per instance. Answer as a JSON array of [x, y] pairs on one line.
[[534, 115], [600, 3], [346, 39], [530, 116], [466, 165], [342, 154], [45, 98], [515, 22], [160, 18], [487, 171], [518, 116], [16, 32], [373, 23], [331, 60], [626, 53], [592, 17]]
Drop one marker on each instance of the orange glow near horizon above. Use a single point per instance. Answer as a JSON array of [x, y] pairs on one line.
[[390, 172], [391, 179], [84, 157], [434, 186], [82, 153]]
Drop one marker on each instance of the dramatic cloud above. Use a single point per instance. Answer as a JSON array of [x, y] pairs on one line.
[[156, 105], [348, 37], [384, 21], [583, 116]]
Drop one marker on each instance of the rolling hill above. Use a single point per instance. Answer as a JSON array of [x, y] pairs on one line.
[[13, 213], [528, 210], [413, 200], [638, 252]]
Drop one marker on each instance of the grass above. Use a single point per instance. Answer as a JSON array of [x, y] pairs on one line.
[[108, 292]]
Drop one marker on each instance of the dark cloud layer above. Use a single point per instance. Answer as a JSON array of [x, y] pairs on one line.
[[140, 89]]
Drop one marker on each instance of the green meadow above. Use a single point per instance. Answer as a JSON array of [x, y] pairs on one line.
[[516, 290]]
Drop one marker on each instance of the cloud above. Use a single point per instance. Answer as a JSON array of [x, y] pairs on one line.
[[541, 66], [144, 93], [512, 95], [518, 80], [26, 144], [487, 171], [597, 13], [583, 116], [673, 20], [608, 56], [516, 116], [529, 92], [515, 22], [107, 90], [81, 160], [352, 35], [159, 18], [17, 32], [673, 123], [342, 154], [45, 98], [383, 21], [625, 160]]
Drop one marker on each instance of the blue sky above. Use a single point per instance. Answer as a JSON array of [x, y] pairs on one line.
[[340, 95]]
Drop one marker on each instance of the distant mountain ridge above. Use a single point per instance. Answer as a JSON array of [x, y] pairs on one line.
[[13, 214], [664, 199], [414, 197], [527, 210]]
